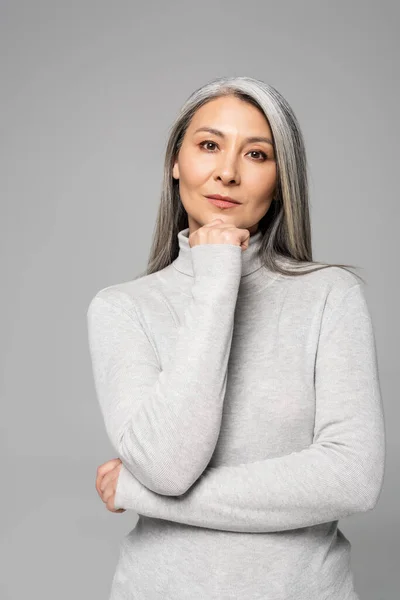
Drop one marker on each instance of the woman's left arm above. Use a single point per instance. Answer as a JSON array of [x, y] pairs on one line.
[[339, 474]]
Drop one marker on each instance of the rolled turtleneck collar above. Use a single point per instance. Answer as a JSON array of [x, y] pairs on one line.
[[250, 259]]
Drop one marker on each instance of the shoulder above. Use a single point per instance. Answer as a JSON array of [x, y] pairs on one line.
[[340, 292], [320, 275], [323, 286], [336, 282], [137, 297], [127, 295]]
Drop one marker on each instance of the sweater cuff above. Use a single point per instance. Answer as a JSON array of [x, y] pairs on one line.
[[217, 260], [122, 489]]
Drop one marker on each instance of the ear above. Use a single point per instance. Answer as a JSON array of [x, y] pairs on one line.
[[175, 169]]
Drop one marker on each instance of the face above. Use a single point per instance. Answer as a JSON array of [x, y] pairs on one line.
[[226, 163]]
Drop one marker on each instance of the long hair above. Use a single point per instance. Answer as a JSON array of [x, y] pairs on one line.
[[286, 225]]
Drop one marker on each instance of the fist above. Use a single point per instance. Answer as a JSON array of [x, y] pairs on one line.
[[219, 232], [106, 483]]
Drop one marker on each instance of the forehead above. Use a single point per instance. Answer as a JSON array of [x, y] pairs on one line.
[[230, 113]]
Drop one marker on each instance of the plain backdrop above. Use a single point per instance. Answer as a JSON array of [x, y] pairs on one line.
[[88, 91]]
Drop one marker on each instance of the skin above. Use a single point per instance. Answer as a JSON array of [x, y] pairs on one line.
[[106, 483], [210, 164]]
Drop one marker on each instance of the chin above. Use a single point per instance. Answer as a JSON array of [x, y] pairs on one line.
[[204, 219], [221, 213]]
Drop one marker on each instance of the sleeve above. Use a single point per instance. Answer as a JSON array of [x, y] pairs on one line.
[[164, 424], [339, 474]]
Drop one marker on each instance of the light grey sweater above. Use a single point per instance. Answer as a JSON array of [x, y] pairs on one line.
[[246, 409]]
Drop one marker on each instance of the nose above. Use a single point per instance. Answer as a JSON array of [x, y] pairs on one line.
[[227, 170]]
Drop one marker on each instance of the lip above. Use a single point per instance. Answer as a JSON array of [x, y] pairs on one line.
[[222, 201]]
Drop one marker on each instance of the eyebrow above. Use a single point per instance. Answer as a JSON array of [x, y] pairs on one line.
[[250, 140]]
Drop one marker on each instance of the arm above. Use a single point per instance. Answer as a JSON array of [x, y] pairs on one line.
[[341, 473], [164, 424]]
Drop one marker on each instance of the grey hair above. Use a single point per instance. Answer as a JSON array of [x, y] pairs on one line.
[[286, 225]]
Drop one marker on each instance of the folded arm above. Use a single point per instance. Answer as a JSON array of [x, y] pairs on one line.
[[164, 424], [339, 474]]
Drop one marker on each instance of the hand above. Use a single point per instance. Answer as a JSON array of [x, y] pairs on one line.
[[106, 483], [219, 232]]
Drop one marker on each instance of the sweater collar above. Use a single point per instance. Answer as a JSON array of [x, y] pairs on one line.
[[250, 259]]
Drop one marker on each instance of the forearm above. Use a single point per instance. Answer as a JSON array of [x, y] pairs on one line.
[[316, 485], [165, 424]]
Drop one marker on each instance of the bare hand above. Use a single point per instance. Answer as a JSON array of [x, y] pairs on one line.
[[219, 232], [106, 483]]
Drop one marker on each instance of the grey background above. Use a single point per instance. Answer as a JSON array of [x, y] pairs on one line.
[[88, 91]]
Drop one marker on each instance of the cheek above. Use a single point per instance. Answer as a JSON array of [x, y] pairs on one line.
[[262, 183], [193, 168]]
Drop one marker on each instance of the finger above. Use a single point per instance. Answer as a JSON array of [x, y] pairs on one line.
[[109, 496], [102, 481], [104, 484], [108, 489], [107, 466], [110, 504], [99, 480]]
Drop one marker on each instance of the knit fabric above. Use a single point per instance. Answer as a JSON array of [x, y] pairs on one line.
[[245, 406]]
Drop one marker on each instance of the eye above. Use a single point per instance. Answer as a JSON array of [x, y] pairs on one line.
[[206, 142], [263, 154], [259, 152]]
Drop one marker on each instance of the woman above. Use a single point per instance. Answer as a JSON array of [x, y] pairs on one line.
[[237, 377]]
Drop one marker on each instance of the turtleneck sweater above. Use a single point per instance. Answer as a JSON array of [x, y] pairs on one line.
[[245, 407]]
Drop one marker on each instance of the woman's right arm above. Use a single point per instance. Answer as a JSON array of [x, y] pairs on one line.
[[164, 424]]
